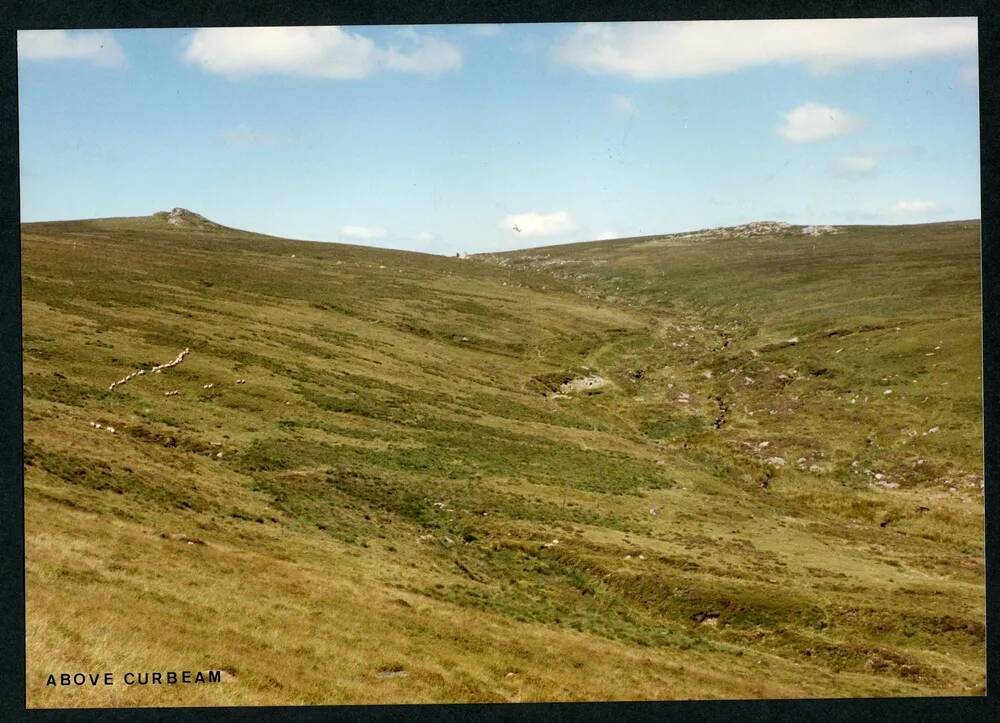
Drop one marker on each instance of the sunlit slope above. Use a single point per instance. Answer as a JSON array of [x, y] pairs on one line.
[[437, 476], [854, 343]]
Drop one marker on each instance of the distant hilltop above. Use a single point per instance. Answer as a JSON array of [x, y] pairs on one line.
[[757, 228], [183, 218]]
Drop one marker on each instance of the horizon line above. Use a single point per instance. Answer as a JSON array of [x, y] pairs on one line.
[[526, 248]]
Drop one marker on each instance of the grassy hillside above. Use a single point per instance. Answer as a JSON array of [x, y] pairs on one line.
[[743, 463]]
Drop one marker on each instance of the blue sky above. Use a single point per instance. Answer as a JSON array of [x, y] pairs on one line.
[[444, 138]]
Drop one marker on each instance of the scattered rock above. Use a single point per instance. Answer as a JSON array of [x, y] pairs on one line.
[[819, 230], [711, 619], [592, 381], [181, 537], [747, 230]]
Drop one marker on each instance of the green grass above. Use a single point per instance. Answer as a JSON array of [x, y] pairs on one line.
[[399, 460]]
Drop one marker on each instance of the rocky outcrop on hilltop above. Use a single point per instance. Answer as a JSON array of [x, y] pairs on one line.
[[819, 230], [183, 218], [746, 230]]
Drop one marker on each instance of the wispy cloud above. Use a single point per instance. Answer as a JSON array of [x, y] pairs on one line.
[[649, 50], [623, 106], [969, 75], [325, 52], [858, 165], [913, 208], [535, 224], [95, 47], [363, 233], [244, 136], [486, 30], [414, 52], [814, 122]]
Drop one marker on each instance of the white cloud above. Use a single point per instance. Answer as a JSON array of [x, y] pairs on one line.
[[913, 208], [417, 53], [858, 165], [647, 50], [96, 47], [532, 223], [623, 106], [486, 30], [607, 235], [363, 233], [813, 122], [325, 52], [243, 135], [425, 236]]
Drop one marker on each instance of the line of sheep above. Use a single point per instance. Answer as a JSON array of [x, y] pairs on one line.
[[155, 370], [160, 367]]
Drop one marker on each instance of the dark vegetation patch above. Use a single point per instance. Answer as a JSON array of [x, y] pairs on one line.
[[102, 476], [55, 387], [674, 426]]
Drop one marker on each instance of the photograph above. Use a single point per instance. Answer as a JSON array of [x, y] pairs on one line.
[[502, 363]]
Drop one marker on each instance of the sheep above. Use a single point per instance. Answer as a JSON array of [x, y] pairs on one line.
[[154, 370]]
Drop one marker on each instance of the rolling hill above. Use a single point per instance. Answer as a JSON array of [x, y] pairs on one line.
[[741, 462]]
